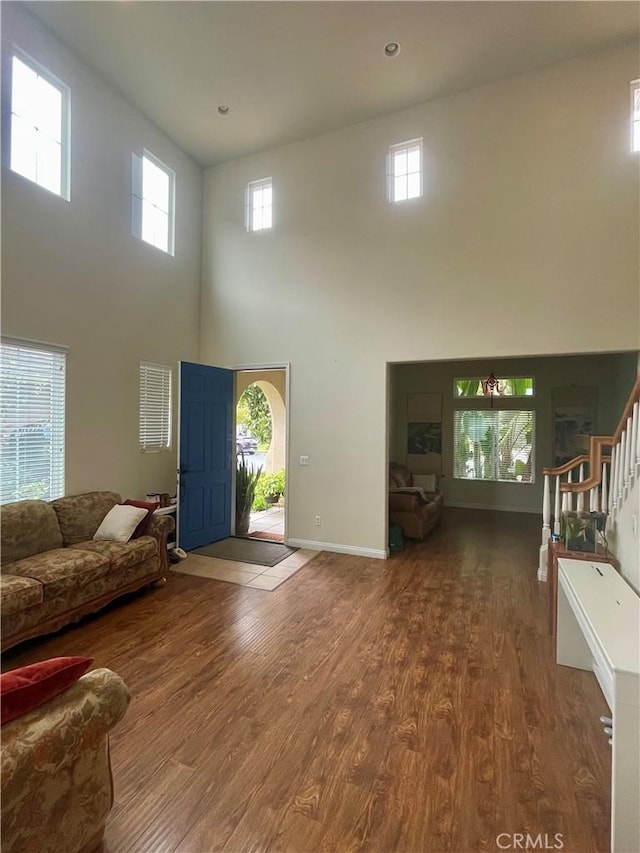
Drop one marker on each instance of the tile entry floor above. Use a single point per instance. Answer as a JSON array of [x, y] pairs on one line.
[[245, 574], [268, 521]]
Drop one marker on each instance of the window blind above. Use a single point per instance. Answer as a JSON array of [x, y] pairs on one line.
[[32, 417], [494, 445], [155, 407]]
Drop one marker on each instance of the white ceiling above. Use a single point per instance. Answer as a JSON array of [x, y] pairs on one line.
[[289, 70]]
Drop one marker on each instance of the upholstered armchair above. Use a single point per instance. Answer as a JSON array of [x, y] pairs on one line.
[[57, 788], [415, 507]]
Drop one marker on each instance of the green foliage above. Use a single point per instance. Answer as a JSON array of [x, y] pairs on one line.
[[254, 414], [270, 485], [579, 530], [247, 480]]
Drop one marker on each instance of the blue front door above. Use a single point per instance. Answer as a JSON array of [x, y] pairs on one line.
[[205, 456]]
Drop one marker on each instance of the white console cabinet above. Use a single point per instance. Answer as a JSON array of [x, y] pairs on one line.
[[599, 630]]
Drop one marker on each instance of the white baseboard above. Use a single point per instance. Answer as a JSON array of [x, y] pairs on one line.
[[496, 508], [337, 549]]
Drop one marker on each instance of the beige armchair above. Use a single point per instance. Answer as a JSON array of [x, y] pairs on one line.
[[57, 788], [416, 511]]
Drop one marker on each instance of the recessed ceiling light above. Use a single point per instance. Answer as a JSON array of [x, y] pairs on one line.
[[391, 48], [223, 109]]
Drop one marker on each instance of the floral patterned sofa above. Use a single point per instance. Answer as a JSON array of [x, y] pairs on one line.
[[53, 572], [57, 788]]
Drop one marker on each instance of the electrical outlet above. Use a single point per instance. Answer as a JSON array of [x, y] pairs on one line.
[[318, 520], [304, 460]]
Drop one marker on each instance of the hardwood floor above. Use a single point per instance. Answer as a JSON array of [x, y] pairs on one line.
[[404, 705]]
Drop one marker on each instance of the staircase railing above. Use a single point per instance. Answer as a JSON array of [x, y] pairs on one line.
[[607, 479]]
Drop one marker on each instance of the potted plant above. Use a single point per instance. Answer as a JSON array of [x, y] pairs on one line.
[[272, 487], [246, 482], [579, 531]]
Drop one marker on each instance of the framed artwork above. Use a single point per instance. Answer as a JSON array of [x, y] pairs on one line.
[[574, 420], [424, 433]]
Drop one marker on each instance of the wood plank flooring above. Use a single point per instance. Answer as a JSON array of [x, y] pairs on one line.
[[408, 705]]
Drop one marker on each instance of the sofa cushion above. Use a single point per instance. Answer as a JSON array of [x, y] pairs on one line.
[[24, 689], [62, 570], [18, 593], [143, 528], [121, 555], [119, 523], [79, 516], [26, 528]]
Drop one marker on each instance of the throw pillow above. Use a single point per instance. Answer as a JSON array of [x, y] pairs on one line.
[[143, 528], [24, 689], [426, 481], [120, 522]]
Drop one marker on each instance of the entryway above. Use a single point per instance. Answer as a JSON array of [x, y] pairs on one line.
[[261, 445]]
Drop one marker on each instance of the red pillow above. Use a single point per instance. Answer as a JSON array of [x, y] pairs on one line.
[[26, 688], [143, 527]]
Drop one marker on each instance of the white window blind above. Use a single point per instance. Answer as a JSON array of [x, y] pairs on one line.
[[155, 407], [39, 126], [494, 445], [404, 171], [31, 421], [259, 205]]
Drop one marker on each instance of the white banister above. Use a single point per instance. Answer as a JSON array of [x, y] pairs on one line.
[[556, 507], [627, 457], [604, 494], [593, 499], [636, 411], [546, 531], [633, 451], [580, 501], [615, 487], [614, 474], [569, 495], [622, 465]]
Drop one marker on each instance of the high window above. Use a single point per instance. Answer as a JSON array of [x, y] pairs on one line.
[[258, 205], [635, 115], [32, 378], [404, 171], [153, 213], [155, 407], [39, 126], [509, 386]]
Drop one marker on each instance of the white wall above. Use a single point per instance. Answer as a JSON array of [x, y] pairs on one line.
[[525, 242], [611, 375], [73, 275]]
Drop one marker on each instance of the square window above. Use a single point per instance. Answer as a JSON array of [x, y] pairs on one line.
[[39, 126], [258, 205], [153, 202], [404, 171]]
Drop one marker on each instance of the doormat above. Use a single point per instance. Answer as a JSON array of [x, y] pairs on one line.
[[247, 551], [265, 534]]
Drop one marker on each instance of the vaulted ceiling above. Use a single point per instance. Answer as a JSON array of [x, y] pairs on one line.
[[289, 70]]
